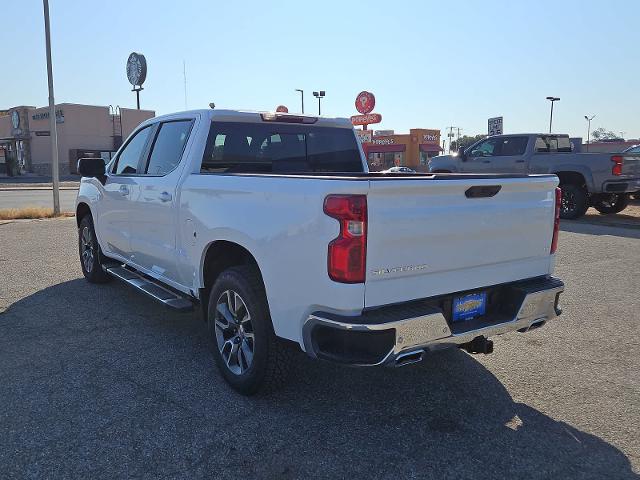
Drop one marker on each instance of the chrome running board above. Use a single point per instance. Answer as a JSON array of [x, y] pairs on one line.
[[151, 287]]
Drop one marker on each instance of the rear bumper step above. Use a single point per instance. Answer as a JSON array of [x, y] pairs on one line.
[[151, 287], [400, 334]]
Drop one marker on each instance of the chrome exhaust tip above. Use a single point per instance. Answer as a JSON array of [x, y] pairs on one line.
[[408, 358]]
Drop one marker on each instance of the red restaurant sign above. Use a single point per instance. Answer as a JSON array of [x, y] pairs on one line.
[[366, 119], [365, 101]]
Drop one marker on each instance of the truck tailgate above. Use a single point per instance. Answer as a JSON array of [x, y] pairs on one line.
[[427, 238], [631, 165]]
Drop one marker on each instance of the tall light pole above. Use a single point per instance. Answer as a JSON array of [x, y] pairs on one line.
[[588, 119], [301, 97], [319, 95], [552, 99], [52, 115]]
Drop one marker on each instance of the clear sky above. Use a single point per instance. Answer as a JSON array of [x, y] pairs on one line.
[[430, 64]]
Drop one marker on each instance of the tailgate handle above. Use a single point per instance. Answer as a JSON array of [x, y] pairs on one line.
[[482, 191]]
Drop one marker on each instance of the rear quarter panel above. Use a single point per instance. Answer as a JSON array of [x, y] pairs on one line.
[[280, 220]]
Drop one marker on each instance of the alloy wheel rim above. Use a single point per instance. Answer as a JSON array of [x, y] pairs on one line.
[[87, 249], [610, 200], [568, 202], [234, 332]]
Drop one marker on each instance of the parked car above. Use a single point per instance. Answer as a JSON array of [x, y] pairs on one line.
[[272, 224], [399, 170], [601, 180], [633, 149]]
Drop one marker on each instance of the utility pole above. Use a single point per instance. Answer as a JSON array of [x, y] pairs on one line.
[[450, 136], [52, 115], [184, 73], [622, 135]]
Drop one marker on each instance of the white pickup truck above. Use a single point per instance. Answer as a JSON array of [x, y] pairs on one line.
[[273, 225]]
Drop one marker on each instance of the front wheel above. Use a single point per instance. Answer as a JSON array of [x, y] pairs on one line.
[[574, 202], [249, 355], [91, 257], [608, 203]]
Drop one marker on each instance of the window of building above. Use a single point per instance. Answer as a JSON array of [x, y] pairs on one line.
[[127, 162], [168, 147], [279, 148]]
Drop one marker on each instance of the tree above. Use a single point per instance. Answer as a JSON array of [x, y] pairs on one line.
[[466, 140], [602, 135]]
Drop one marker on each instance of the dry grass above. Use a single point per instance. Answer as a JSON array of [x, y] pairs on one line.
[[29, 212]]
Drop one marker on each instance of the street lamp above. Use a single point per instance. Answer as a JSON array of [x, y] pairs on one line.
[[588, 119], [301, 97], [552, 99], [52, 114], [319, 95]]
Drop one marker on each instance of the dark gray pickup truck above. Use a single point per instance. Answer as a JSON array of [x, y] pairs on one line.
[[602, 180]]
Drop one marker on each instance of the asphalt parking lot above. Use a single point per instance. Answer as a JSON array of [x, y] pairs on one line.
[[100, 382]]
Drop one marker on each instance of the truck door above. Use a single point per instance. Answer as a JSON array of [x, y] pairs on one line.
[[510, 156], [481, 157], [113, 220], [154, 206]]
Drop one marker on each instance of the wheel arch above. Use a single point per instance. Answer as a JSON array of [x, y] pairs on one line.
[[217, 257], [82, 209], [572, 177]]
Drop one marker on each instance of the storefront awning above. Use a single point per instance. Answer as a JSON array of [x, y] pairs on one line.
[[395, 147], [430, 148]]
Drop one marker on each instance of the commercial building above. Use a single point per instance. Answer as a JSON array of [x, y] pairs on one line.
[[386, 149], [25, 137], [611, 146]]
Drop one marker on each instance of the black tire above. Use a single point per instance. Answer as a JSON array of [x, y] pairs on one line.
[[91, 257], [262, 361], [575, 201], [608, 203]]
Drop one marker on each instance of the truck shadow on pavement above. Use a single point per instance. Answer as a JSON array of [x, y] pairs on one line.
[[97, 382]]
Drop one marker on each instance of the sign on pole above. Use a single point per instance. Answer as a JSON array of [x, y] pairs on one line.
[[495, 126]]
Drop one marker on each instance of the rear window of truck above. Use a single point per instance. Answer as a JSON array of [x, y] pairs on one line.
[[235, 147]]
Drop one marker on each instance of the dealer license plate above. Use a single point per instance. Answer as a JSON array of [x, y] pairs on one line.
[[469, 306]]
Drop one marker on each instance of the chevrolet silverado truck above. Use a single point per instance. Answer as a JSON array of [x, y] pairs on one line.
[[604, 181], [272, 225]]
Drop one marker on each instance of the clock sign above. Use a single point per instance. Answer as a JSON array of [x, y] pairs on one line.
[[136, 69]]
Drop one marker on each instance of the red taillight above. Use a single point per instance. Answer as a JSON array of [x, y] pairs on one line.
[[618, 161], [347, 254], [556, 221]]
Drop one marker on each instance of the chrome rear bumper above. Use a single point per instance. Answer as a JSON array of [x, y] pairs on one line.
[[406, 331]]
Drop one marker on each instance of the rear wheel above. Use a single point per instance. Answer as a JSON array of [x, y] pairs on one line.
[[574, 202], [249, 355], [608, 203], [91, 257]]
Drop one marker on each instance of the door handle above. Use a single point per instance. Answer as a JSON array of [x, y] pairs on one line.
[[124, 190], [519, 161], [165, 197], [486, 161]]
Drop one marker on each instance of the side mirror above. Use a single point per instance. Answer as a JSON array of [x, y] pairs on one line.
[[461, 154], [91, 167]]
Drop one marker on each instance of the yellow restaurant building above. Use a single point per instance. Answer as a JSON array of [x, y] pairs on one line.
[[387, 149]]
